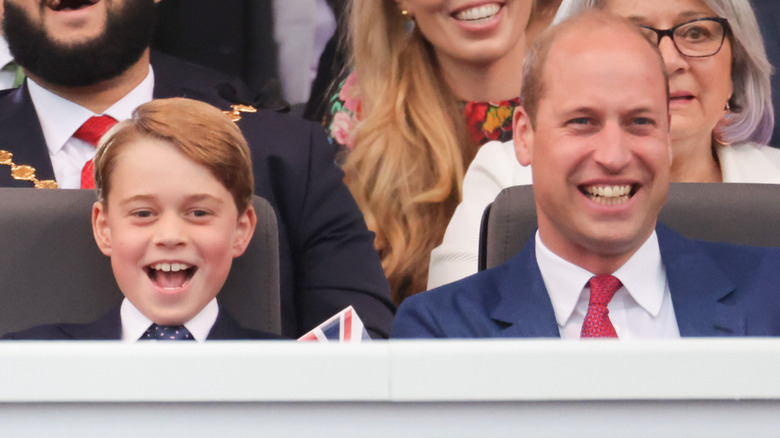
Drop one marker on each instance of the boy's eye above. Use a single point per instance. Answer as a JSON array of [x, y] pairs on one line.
[[142, 213], [200, 213]]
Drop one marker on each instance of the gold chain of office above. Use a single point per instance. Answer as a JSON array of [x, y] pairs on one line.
[[24, 172]]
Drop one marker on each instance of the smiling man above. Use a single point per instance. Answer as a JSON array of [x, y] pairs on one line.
[[594, 126], [89, 65]]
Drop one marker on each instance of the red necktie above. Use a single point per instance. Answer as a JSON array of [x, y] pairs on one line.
[[597, 323], [91, 131]]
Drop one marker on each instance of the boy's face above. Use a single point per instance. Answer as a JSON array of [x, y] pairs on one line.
[[171, 230]]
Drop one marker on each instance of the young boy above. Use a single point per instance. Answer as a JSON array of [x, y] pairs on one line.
[[174, 186]]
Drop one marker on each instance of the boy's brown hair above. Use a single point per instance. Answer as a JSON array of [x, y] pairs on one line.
[[198, 130]]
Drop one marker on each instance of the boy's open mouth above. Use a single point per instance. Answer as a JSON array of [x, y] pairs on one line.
[[170, 275], [60, 5]]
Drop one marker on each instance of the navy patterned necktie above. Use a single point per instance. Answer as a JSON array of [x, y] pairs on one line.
[[167, 333]]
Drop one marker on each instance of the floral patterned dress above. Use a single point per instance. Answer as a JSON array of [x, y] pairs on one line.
[[485, 121]]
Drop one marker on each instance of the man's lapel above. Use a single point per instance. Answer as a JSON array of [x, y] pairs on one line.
[[698, 287], [523, 306], [21, 134]]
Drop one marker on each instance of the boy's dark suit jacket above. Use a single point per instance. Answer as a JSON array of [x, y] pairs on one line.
[[327, 255], [109, 327], [717, 290]]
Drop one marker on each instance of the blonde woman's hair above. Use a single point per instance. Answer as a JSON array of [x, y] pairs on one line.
[[411, 147]]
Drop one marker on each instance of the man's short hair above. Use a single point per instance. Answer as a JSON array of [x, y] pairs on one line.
[[198, 130], [535, 60]]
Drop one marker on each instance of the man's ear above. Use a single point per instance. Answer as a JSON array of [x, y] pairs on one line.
[[245, 229], [523, 136], [100, 228]]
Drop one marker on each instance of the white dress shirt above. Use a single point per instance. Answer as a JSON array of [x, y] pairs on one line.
[[61, 118], [641, 308], [135, 323], [495, 168], [7, 78]]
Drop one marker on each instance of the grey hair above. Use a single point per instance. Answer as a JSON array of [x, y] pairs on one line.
[[752, 114]]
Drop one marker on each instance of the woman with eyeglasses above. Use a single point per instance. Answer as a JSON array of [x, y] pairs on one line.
[[720, 102], [720, 106]]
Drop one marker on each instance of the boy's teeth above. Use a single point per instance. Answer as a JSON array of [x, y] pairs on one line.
[[170, 267], [478, 13]]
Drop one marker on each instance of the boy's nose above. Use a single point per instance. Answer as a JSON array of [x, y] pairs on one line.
[[169, 231]]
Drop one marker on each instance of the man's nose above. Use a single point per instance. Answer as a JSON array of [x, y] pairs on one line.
[[612, 150]]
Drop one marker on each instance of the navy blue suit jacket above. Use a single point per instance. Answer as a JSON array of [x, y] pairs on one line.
[[109, 327], [717, 290], [327, 255]]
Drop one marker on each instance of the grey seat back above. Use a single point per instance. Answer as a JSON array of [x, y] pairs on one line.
[[746, 214], [52, 271]]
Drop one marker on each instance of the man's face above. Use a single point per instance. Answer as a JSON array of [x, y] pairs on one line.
[[171, 229], [78, 42], [600, 152]]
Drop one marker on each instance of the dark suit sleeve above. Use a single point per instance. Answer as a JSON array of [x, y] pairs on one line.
[[340, 266], [327, 254]]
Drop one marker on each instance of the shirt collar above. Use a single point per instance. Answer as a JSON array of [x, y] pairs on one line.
[[5, 53], [60, 118], [135, 323], [643, 276]]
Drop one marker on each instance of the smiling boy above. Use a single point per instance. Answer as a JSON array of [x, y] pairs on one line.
[[174, 187]]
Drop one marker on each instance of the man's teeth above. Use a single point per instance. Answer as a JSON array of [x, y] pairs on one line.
[[609, 195], [170, 267], [478, 14]]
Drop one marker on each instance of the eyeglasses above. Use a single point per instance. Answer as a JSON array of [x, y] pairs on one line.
[[697, 38]]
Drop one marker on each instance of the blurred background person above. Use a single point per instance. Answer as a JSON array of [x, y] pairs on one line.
[[11, 73], [721, 109], [768, 15], [431, 81]]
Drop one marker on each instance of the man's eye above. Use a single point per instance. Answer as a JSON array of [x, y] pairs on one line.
[[579, 121], [644, 121]]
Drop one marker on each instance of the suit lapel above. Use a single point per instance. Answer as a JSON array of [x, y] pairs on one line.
[[21, 134], [225, 328], [698, 288], [523, 306]]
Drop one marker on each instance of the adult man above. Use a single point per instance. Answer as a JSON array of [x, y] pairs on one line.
[[595, 127], [91, 57]]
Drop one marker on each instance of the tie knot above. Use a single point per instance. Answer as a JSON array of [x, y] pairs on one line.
[[167, 333], [94, 128], [602, 289]]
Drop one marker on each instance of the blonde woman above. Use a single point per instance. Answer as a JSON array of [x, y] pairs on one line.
[[432, 80]]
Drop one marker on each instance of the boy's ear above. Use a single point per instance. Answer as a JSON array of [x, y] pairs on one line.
[[100, 228], [523, 136], [245, 229]]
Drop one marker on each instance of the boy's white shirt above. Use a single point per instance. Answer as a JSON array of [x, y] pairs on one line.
[[135, 323]]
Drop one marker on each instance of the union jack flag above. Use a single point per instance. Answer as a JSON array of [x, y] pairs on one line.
[[344, 326]]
